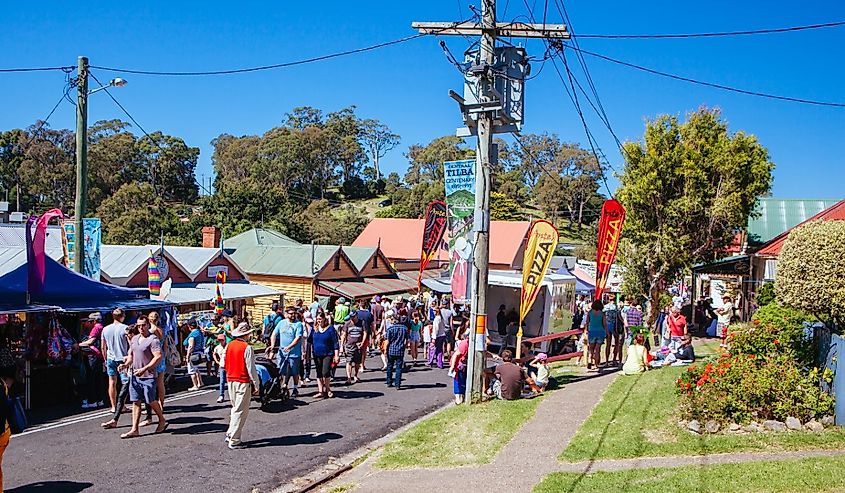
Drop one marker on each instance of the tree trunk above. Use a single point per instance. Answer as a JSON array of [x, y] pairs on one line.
[[580, 214], [375, 164]]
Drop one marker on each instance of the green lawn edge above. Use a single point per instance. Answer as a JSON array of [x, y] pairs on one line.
[[817, 474], [458, 436], [636, 418]]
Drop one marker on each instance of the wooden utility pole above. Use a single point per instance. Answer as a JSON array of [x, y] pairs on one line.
[[81, 202], [489, 29]]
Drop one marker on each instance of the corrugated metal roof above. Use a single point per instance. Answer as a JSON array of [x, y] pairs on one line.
[[259, 237], [193, 259], [14, 235], [292, 260], [202, 292], [779, 215], [13, 257], [359, 255], [123, 261], [835, 212], [370, 286]]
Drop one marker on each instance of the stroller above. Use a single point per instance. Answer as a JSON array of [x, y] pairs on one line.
[[272, 387]]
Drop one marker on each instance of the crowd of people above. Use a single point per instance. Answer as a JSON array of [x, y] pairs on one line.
[[628, 343]]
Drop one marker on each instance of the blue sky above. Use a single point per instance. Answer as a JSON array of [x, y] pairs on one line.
[[406, 85]]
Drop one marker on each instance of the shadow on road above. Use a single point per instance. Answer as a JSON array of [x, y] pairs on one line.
[[352, 394], [423, 386], [52, 487], [186, 420], [286, 441], [201, 429]]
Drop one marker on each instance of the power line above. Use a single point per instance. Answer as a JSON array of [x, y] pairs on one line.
[[708, 84], [133, 120], [277, 65], [35, 69], [715, 34]]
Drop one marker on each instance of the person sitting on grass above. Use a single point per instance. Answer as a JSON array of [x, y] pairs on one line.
[[540, 364], [637, 360], [682, 355]]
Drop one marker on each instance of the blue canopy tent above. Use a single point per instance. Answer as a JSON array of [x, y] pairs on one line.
[[66, 290], [581, 287]]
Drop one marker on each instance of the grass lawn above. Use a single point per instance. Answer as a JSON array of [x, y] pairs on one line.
[[458, 436], [804, 475], [635, 419]]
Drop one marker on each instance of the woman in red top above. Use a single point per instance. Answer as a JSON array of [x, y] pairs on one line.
[[677, 325]]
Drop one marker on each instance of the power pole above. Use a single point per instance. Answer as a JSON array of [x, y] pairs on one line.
[[490, 104], [81, 164]]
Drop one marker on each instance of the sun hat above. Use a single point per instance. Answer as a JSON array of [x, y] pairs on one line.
[[542, 357], [95, 316], [227, 313], [221, 337], [241, 330]]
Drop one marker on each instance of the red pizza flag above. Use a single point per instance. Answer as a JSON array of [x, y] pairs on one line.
[[435, 226], [610, 231]]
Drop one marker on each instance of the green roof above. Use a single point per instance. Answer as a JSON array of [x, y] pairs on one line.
[[290, 260], [359, 255], [774, 216], [259, 237]]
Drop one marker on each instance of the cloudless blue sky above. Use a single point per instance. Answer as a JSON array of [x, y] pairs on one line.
[[406, 85]]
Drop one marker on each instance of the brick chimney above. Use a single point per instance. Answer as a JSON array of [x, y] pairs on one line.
[[211, 237]]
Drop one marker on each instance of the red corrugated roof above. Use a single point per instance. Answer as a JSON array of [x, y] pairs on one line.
[[401, 239], [833, 213]]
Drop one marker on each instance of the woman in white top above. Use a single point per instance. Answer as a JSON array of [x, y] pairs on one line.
[[637, 361]]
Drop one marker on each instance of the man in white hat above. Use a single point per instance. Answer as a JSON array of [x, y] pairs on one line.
[[240, 374]]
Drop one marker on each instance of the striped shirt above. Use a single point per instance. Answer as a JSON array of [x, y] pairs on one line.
[[634, 316]]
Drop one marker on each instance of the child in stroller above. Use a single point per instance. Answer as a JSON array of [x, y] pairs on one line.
[[271, 382]]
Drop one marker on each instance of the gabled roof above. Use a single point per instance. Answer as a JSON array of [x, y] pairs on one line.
[[359, 255], [401, 239], [258, 237], [772, 248], [290, 260], [119, 263], [775, 216]]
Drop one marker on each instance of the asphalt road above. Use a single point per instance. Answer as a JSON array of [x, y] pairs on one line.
[[285, 442]]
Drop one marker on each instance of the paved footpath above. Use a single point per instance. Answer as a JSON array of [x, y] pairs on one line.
[[521, 464], [289, 440]]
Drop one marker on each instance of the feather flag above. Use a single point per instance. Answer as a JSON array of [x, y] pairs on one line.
[[219, 306], [153, 276]]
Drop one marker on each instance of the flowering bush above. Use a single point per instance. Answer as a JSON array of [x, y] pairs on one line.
[[742, 387], [774, 330], [768, 374]]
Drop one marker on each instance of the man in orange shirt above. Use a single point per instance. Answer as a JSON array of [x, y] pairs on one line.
[[240, 374]]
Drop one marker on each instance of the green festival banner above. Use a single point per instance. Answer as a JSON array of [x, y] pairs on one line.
[[459, 178]]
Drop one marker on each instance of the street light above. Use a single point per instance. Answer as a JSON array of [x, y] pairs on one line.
[[82, 158]]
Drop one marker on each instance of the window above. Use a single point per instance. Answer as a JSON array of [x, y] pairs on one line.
[[337, 262], [375, 261]]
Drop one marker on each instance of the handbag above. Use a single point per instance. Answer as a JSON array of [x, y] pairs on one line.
[[174, 359], [197, 358], [17, 416]]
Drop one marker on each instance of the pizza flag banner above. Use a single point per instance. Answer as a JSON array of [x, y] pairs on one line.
[[610, 231], [435, 226], [542, 241]]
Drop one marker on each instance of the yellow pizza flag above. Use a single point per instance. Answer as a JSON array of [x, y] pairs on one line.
[[542, 241]]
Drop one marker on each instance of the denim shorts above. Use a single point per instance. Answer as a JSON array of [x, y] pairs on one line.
[[111, 367], [596, 340], [289, 367], [142, 390]]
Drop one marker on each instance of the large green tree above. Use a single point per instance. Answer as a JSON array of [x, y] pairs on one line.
[[687, 188]]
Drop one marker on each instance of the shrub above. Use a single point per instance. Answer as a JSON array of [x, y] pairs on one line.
[[774, 330], [742, 387], [766, 294], [810, 270]]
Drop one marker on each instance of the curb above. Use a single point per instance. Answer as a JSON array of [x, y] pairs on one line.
[[337, 467]]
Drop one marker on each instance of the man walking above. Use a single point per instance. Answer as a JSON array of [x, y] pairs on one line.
[[144, 355], [396, 335], [352, 340], [116, 347], [288, 337], [240, 374]]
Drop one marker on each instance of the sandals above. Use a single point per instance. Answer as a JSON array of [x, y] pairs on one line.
[[146, 422], [108, 425], [330, 394], [162, 427], [130, 434]]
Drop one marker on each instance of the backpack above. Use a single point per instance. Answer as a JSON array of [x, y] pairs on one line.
[[270, 324]]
